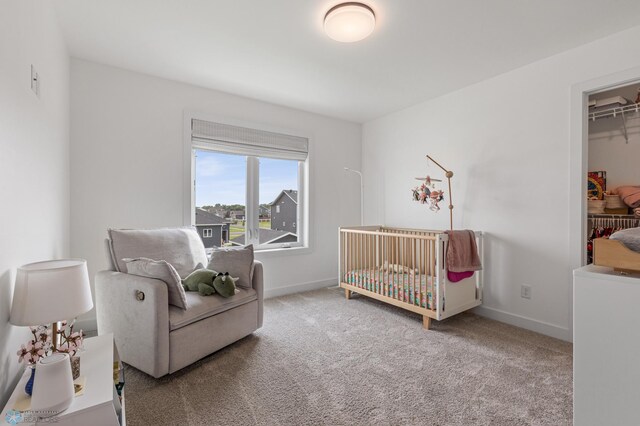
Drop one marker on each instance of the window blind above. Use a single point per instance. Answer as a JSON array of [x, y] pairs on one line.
[[246, 141]]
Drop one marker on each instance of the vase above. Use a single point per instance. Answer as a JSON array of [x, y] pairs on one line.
[[75, 366], [28, 388]]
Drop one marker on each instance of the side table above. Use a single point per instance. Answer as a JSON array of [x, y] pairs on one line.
[[101, 403]]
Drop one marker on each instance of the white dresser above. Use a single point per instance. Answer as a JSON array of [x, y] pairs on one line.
[[606, 347], [100, 404]]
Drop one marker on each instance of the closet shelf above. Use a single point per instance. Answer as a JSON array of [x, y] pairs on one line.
[[605, 215], [614, 112]]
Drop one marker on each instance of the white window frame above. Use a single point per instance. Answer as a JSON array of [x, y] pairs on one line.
[[207, 233], [252, 208]]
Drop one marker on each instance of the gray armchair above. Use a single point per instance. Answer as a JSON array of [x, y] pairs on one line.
[[152, 335]]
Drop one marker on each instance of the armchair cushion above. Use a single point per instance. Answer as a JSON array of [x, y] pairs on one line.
[[238, 262], [160, 270], [180, 247], [201, 307]]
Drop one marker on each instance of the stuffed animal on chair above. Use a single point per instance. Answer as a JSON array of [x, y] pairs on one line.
[[200, 280], [225, 284]]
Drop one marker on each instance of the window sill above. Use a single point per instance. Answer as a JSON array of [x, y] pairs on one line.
[[277, 252]]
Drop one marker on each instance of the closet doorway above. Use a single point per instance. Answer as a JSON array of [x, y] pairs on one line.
[[613, 163], [586, 153]]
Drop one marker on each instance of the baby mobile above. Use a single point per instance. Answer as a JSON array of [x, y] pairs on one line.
[[428, 194]]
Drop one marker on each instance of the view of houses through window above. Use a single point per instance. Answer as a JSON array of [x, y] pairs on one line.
[[221, 193]]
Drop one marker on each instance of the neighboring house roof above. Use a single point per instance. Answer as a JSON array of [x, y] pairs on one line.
[[236, 212], [203, 217], [289, 193], [265, 236]]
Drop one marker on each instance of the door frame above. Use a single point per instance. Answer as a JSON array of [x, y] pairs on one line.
[[579, 158], [579, 155]]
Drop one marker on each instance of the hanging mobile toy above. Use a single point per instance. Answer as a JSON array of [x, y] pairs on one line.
[[428, 194]]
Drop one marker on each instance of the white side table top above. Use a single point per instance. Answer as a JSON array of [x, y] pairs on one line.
[[96, 365]]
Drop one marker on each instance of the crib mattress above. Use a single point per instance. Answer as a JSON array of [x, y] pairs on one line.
[[398, 286]]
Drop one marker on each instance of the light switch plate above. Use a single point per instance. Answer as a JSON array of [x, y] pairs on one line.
[[525, 291]]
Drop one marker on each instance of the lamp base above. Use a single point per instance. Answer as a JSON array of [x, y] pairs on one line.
[[53, 390], [54, 410]]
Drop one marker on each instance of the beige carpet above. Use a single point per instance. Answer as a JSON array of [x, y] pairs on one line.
[[323, 360]]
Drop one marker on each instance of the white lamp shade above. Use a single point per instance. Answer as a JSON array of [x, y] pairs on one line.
[[349, 22], [53, 385], [51, 291]]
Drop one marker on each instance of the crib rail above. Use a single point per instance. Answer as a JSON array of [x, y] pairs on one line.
[[399, 265]]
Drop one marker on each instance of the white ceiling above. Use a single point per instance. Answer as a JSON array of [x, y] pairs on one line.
[[276, 51]]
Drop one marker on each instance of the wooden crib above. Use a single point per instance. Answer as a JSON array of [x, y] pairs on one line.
[[406, 268]]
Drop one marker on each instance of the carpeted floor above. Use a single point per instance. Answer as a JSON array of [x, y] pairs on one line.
[[323, 360]]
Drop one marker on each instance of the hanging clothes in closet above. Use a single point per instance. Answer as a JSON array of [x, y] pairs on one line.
[[602, 226]]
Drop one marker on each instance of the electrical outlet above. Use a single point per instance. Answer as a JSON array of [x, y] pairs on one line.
[[525, 291], [35, 81]]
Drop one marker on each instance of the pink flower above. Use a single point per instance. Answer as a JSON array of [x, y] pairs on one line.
[[21, 353], [34, 352]]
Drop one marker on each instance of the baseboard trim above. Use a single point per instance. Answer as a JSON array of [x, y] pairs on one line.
[[541, 327], [298, 288]]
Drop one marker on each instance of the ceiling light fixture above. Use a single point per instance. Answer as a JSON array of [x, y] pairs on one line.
[[349, 22]]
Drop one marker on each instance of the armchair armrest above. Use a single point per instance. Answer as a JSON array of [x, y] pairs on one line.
[[135, 309], [258, 286]]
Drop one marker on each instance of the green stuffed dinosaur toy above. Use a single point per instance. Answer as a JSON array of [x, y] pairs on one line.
[[225, 284], [200, 280], [207, 282]]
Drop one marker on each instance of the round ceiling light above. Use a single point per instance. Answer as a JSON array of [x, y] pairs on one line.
[[349, 22]]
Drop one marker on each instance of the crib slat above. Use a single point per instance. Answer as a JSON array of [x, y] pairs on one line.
[[401, 268], [373, 256], [413, 268], [387, 254], [396, 280], [434, 301], [360, 237], [399, 263], [347, 247], [423, 270], [372, 281], [427, 271], [405, 261]]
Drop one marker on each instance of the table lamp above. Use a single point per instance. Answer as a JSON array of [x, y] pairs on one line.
[[48, 292]]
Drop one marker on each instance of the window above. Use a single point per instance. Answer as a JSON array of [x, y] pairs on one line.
[[207, 233], [248, 171]]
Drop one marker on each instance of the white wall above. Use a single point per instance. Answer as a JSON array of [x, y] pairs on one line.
[[34, 157], [127, 165], [507, 141], [608, 149]]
